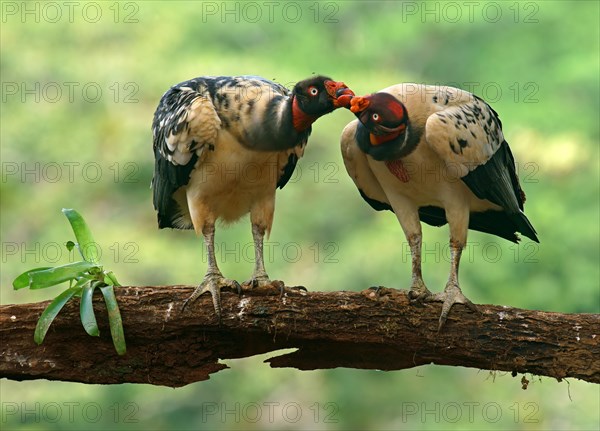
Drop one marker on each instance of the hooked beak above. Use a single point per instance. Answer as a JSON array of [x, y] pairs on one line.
[[340, 93]]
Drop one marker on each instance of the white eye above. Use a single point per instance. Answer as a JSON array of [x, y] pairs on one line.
[[375, 117], [313, 91]]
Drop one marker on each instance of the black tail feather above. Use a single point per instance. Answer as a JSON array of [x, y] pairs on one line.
[[497, 223], [167, 179], [524, 226]]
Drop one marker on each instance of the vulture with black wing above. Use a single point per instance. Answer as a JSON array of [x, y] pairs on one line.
[[435, 154], [222, 146]]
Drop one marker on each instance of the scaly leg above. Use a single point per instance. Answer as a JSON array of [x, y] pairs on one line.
[[452, 293], [261, 216], [418, 291], [408, 216], [213, 280], [259, 276]]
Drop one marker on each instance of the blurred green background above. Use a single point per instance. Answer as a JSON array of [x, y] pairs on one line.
[[79, 86]]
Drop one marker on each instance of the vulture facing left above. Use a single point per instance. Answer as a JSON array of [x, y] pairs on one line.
[[222, 146], [435, 154]]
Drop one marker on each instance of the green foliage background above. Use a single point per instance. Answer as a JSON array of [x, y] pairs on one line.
[[538, 65]]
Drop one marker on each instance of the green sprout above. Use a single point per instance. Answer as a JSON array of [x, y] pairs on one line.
[[83, 277]]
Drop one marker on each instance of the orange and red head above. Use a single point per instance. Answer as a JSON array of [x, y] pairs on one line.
[[382, 114]]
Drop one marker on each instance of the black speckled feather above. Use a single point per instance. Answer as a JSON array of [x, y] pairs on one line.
[[497, 181], [254, 110]]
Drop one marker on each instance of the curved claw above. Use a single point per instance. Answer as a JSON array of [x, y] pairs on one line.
[[418, 296], [450, 296], [201, 289], [213, 283], [283, 288], [258, 281], [418, 293], [237, 286]]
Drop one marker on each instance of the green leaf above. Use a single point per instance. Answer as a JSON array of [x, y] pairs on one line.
[[24, 279], [51, 312], [87, 246], [114, 319], [111, 279], [86, 309], [49, 277]]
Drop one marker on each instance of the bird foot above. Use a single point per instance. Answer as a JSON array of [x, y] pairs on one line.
[[213, 283], [264, 282], [450, 296], [418, 293], [294, 290], [258, 281]]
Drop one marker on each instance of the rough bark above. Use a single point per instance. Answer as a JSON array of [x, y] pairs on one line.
[[166, 346]]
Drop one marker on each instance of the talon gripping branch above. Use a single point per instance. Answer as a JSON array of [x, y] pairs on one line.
[[207, 131]]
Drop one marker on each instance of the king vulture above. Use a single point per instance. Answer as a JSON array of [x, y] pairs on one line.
[[222, 146], [435, 154]]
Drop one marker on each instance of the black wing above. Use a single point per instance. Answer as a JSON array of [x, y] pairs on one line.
[[494, 222], [497, 181], [468, 137], [288, 170], [185, 126]]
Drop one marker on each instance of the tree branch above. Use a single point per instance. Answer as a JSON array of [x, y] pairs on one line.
[[166, 346]]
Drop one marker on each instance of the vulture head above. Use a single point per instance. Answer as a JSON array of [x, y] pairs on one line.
[[320, 95], [315, 97], [386, 124], [381, 113]]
